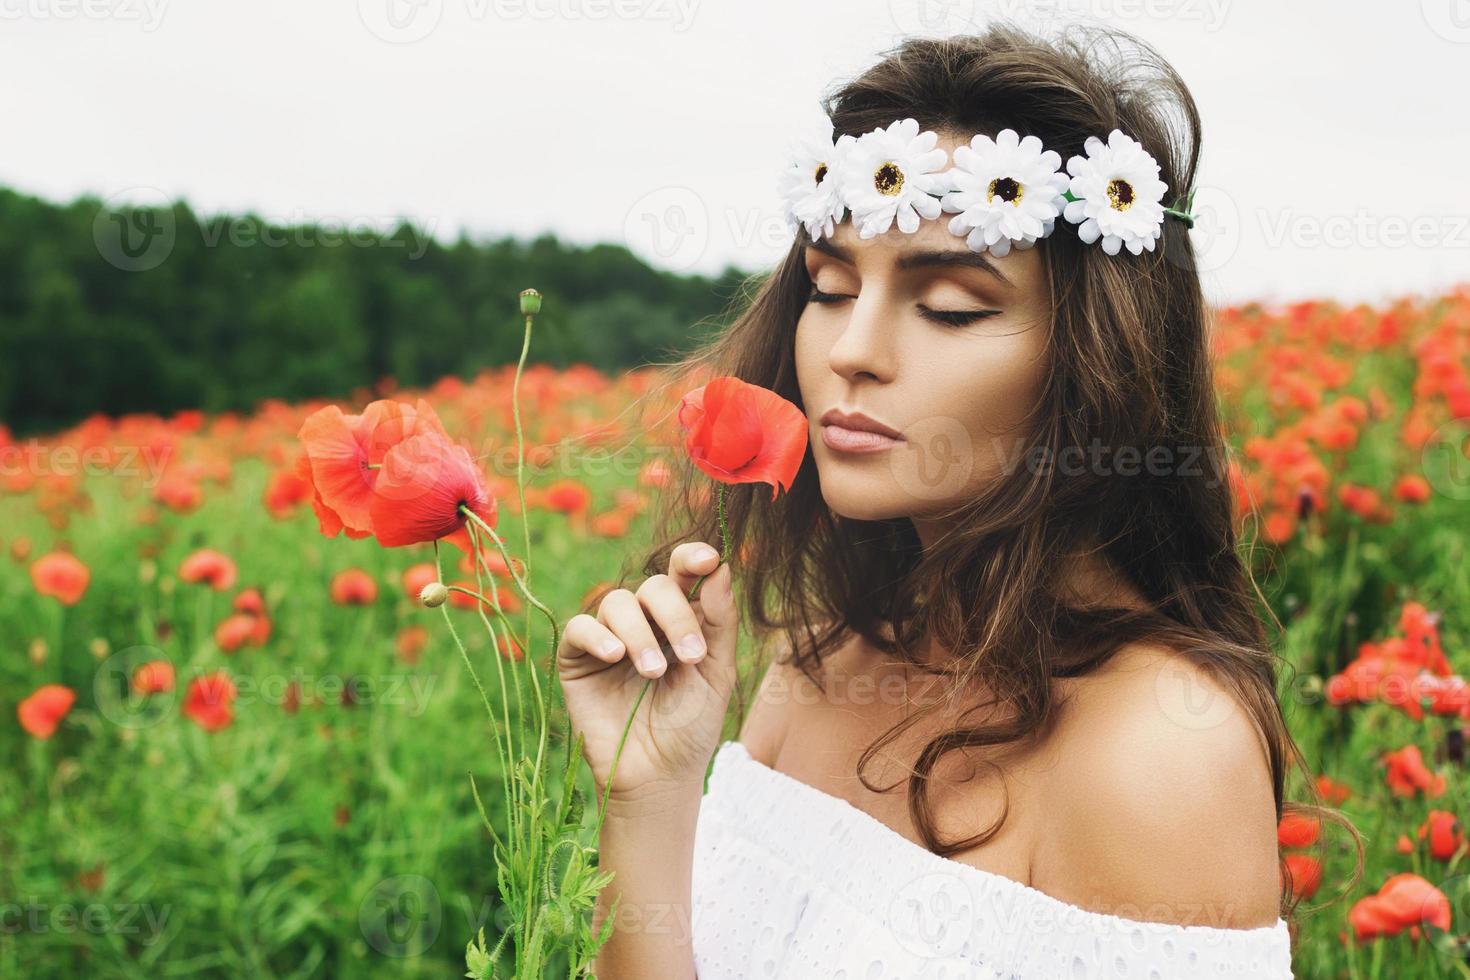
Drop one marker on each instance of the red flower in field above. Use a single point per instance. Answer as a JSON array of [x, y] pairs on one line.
[[1446, 837], [209, 702], [423, 484], [354, 587], [250, 602], [1297, 830], [1306, 874], [42, 712], [1404, 902], [611, 524], [286, 490], [345, 453], [412, 640], [209, 567], [1333, 792], [415, 577], [61, 576], [1407, 773], [1404, 845], [236, 630], [1412, 489], [154, 677], [743, 433], [568, 497], [509, 648]]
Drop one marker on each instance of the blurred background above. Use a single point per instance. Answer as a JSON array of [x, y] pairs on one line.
[[232, 746]]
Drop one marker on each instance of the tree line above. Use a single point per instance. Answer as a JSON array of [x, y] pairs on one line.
[[129, 309]]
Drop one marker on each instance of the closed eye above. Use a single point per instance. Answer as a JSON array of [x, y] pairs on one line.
[[817, 296], [955, 318]]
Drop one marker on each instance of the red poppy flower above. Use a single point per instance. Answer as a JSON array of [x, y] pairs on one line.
[[345, 452], [1444, 833], [568, 497], [424, 482], [42, 712], [250, 601], [209, 567], [209, 702], [1296, 830], [1407, 773], [154, 677], [285, 491], [354, 587], [743, 433], [234, 631], [1306, 874], [411, 642], [61, 576], [1404, 902], [415, 577]]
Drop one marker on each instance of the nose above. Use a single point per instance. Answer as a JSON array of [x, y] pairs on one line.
[[867, 345]]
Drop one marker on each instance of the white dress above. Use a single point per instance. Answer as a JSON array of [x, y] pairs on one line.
[[794, 884]]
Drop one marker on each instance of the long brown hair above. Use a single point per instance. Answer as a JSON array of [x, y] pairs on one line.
[[1130, 366]]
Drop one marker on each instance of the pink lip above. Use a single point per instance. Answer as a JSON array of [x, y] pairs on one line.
[[857, 433]]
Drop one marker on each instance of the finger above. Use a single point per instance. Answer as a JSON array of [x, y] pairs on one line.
[[586, 636], [622, 613], [691, 560], [670, 609], [721, 617]]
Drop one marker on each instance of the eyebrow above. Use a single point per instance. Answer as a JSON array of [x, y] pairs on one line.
[[928, 259]]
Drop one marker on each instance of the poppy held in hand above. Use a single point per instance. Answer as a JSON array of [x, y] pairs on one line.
[[742, 433], [424, 482]]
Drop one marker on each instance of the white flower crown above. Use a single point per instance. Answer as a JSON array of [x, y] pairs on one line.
[[1004, 193]]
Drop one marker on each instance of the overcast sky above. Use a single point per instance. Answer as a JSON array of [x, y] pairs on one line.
[[1336, 152]]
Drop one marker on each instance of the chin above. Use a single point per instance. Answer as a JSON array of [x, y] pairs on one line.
[[861, 498]]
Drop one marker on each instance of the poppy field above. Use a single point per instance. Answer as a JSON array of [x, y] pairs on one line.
[[239, 732]]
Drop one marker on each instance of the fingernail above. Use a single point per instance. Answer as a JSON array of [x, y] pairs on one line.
[[650, 660], [610, 648], [706, 554], [691, 647]]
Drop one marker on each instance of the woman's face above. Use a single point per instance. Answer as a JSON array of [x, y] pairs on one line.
[[944, 345]]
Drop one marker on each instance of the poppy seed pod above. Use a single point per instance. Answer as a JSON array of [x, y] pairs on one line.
[[434, 594], [530, 301]]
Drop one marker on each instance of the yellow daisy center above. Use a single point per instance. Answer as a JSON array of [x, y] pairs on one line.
[[1005, 188], [888, 179], [1120, 194]]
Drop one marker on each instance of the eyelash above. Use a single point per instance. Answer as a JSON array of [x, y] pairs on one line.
[[950, 318]]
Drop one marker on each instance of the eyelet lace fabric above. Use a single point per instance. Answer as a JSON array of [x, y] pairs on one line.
[[790, 883]]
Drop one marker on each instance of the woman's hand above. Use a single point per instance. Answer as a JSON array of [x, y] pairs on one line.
[[603, 663]]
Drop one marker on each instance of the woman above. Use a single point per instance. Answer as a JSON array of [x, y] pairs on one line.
[[1022, 719]]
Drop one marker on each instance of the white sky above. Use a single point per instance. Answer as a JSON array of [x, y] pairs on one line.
[[1336, 153]]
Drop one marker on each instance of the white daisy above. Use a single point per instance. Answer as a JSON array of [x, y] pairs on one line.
[[810, 186], [1007, 191], [1118, 194], [893, 175]]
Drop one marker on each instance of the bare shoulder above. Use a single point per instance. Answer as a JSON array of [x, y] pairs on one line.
[[1161, 805], [768, 717]]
